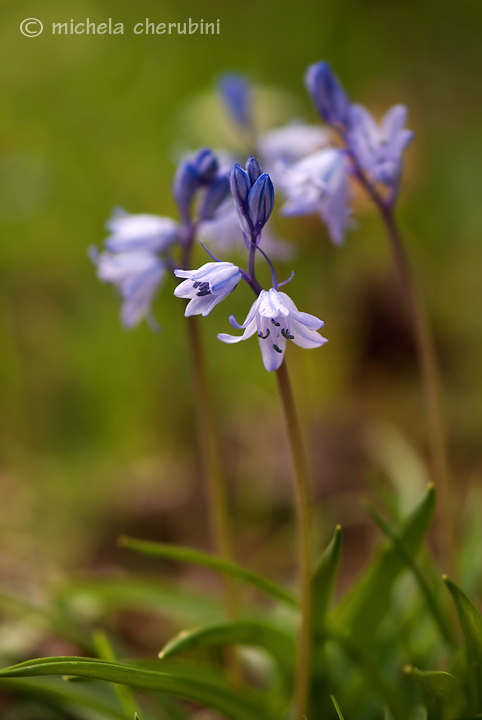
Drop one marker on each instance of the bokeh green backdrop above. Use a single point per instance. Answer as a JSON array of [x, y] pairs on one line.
[[96, 424]]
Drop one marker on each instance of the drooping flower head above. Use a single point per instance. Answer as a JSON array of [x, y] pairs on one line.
[[276, 319], [253, 193], [319, 184], [129, 232], [138, 248], [137, 274], [236, 94], [328, 95], [291, 143], [207, 286], [133, 260], [378, 148]]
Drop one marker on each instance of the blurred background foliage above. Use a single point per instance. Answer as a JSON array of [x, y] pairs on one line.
[[97, 434]]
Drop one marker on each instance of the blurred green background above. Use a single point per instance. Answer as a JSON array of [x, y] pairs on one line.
[[97, 432]]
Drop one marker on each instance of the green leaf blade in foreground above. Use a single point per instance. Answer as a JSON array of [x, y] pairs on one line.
[[447, 692], [322, 585], [365, 607], [80, 701], [195, 557], [471, 624], [276, 642], [337, 708], [438, 613], [324, 578], [215, 695]]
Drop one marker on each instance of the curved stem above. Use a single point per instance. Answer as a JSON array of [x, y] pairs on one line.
[[302, 509], [429, 374]]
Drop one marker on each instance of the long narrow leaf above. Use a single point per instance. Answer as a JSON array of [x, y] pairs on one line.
[[432, 603], [278, 643], [447, 692], [471, 624], [322, 585], [337, 708], [105, 651], [363, 661], [195, 557], [217, 695], [79, 700], [324, 579], [363, 610]]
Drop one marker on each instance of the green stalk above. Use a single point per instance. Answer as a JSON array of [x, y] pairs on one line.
[[302, 508], [428, 370], [210, 457], [431, 389]]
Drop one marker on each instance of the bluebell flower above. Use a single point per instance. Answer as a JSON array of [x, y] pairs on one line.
[[378, 149], [276, 319], [319, 184], [137, 274], [236, 93], [140, 232], [328, 95], [131, 261], [291, 143], [207, 286]]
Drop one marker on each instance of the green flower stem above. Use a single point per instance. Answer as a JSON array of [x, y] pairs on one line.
[[429, 374], [218, 503], [302, 509], [431, 389], [210, 457]]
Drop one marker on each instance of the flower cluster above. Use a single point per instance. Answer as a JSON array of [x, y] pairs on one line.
[[140, 248], [273, 316], [224, 201]]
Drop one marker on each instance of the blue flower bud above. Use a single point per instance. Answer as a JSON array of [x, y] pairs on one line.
[[236, 94], [329, 98], [253, 168], [216, 193], [186, 182], [240, 187], [261, 202], [206, 164]]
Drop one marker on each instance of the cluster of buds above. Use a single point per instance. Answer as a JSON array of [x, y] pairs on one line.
[[253, 193], [201, 172]]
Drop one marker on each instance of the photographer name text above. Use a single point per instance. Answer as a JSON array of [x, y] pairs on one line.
[[32, 27]]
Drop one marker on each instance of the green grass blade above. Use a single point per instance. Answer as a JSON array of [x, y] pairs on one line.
[[323, 582], [105, 652], [471, 624], [195, 557], [337, 708], [361, 659], [78, 700], [278, 643], [98, 597], [324, 579], [440, 618], [447, 692], [364, 608], [215, 695]]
